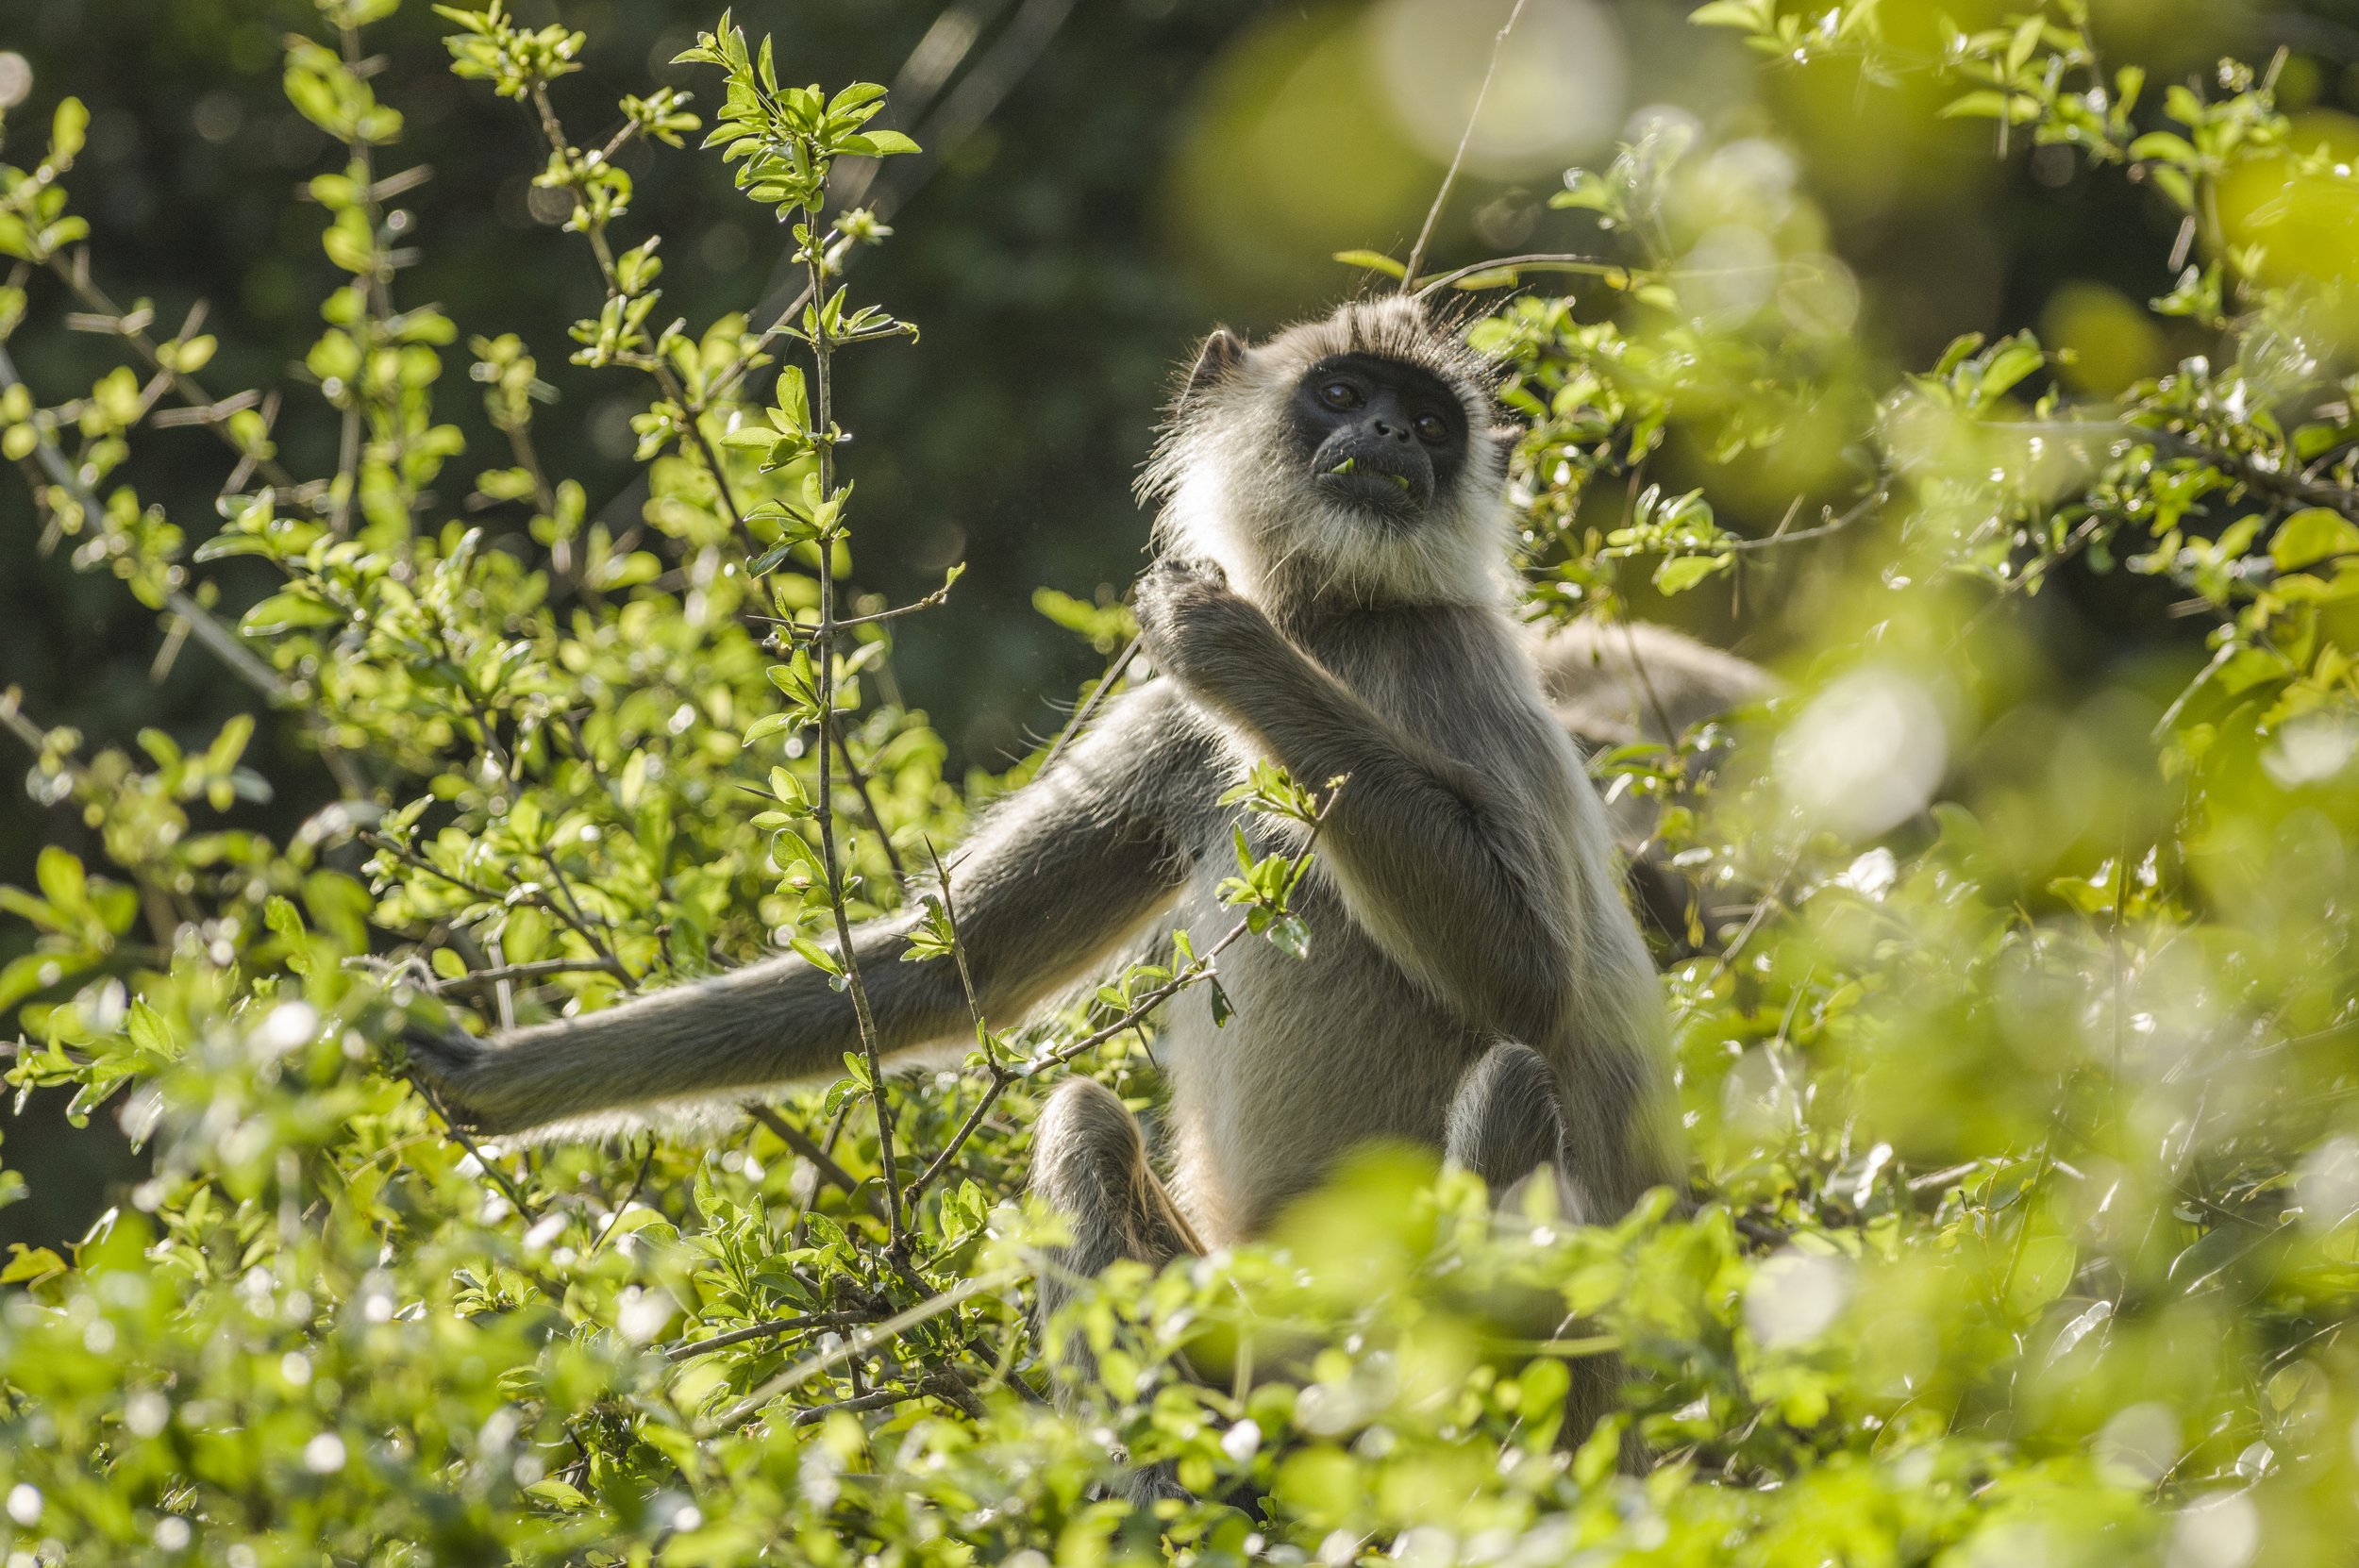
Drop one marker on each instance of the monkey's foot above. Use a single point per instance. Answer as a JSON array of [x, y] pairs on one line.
[[1154, 1484]]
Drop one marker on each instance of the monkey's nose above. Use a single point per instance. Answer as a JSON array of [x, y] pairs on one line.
[[1387, 430]]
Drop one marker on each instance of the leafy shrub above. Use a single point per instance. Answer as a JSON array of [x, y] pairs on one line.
[[2016, 1040]]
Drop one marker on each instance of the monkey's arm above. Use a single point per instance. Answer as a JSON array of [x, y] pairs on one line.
[[1057, 875], [1451, 873]]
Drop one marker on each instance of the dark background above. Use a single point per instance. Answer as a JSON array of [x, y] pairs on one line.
[[1159, 166]]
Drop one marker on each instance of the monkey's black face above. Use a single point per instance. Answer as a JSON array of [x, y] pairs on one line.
[[1378, 434]]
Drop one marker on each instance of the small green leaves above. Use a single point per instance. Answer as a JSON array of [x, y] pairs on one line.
[[1680, 528], [661, 115], [932, 937], [788, 439], [1264, 883], [1270, 791], [67, 128], [293, 609], [784, 140], [1677, 574], [334, 97], [1990, 1115], [789, 524], [515, 61], [34, 223], [1106, 626]]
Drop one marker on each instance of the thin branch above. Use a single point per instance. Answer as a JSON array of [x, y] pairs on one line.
[[938, 597], [571, 918], [216, 636], [1089, 706], [574, 915], [1000, 1076], [2290, 489], [1449, 177], [858, 1343], [1019, 47], [823, 429], [402, 853], [878, 1400], [185, 387], [868, 805], [466, 1140], [646, 1161], [1835, 524], [801, 1142], [1202, 967], [538, 969], [809, 1323]]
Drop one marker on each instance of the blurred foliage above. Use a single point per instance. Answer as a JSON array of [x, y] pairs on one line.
[[2014, 1015]]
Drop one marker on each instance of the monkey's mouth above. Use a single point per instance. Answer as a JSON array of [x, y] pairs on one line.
[[1376, 487]]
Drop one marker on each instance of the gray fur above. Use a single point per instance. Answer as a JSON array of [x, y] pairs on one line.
[[1505, 1123], [1612, 683], [1465, 890]]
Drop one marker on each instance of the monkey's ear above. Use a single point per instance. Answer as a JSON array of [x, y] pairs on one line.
[[1223, 353]]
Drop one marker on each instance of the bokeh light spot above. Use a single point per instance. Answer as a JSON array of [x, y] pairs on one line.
[[2109, 340], [1794, 1297], [1866, 754], [1559, 91]]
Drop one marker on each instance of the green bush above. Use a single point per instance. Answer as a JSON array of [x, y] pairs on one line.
[[2015, 1013]]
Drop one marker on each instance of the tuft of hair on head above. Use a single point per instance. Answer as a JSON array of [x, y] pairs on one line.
[[1229, 491]]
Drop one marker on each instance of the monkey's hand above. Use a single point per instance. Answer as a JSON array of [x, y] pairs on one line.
[[458, 1071], [1205, 638]]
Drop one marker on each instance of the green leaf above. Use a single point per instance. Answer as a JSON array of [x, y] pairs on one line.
[[29, 1263], [2312, 535], [767, 726], [1747, 15], [1681, 572], [1372, 260], [292, 610], [61, 879], [67, 128]]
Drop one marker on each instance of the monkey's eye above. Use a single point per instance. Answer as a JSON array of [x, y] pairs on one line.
[[1340, 394], [1432, 429]]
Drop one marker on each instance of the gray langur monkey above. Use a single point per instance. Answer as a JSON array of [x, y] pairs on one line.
[[1333, 594]]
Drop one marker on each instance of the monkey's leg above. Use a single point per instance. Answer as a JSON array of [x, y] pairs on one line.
[[1505, 1126], [1089, 1164]]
